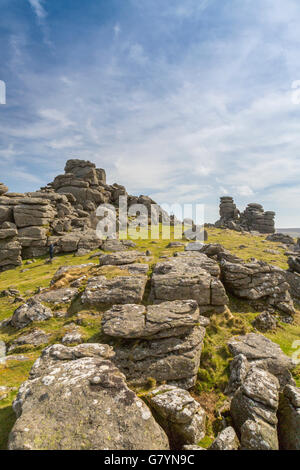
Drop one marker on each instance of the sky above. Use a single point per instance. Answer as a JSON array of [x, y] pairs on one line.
[[184, 101]]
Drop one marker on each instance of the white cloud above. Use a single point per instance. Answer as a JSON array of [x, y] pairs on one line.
[[56, 115], [66, 143], [117, 30], [137, 54], [244, 191], [38, 8]]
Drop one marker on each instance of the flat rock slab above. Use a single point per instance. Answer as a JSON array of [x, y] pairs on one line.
[[199, 260], [63, 270], [57, 296], [117, 259], [136, 268], [156, 321], [113, 245], [81, 401], [196, 246], [119, 290]]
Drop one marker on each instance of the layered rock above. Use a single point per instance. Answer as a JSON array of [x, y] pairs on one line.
[[254, 218], [161, 342], [119, 290], [228, 209], [63, 213], [60, 382], [33, 241], [253, 409], [258, 280], [261, 352], [10, 249], [33, 212], [178, 413], [189, 276]]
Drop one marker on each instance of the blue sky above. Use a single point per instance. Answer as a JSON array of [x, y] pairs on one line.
[[184, 100]]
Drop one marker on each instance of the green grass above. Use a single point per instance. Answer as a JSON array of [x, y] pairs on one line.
[[255, 246], [215, 359]]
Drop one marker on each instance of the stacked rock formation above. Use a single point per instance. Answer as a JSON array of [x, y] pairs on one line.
[[159, 342], [228, 209], [254, 218], [61, 213]]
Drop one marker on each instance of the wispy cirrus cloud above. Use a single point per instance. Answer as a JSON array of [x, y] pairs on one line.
[[38, 8]]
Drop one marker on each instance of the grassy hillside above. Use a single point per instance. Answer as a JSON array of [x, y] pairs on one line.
[[213, 373]]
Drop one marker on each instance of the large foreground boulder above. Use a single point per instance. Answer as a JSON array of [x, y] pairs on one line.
[[160, 342], [81, 402]]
